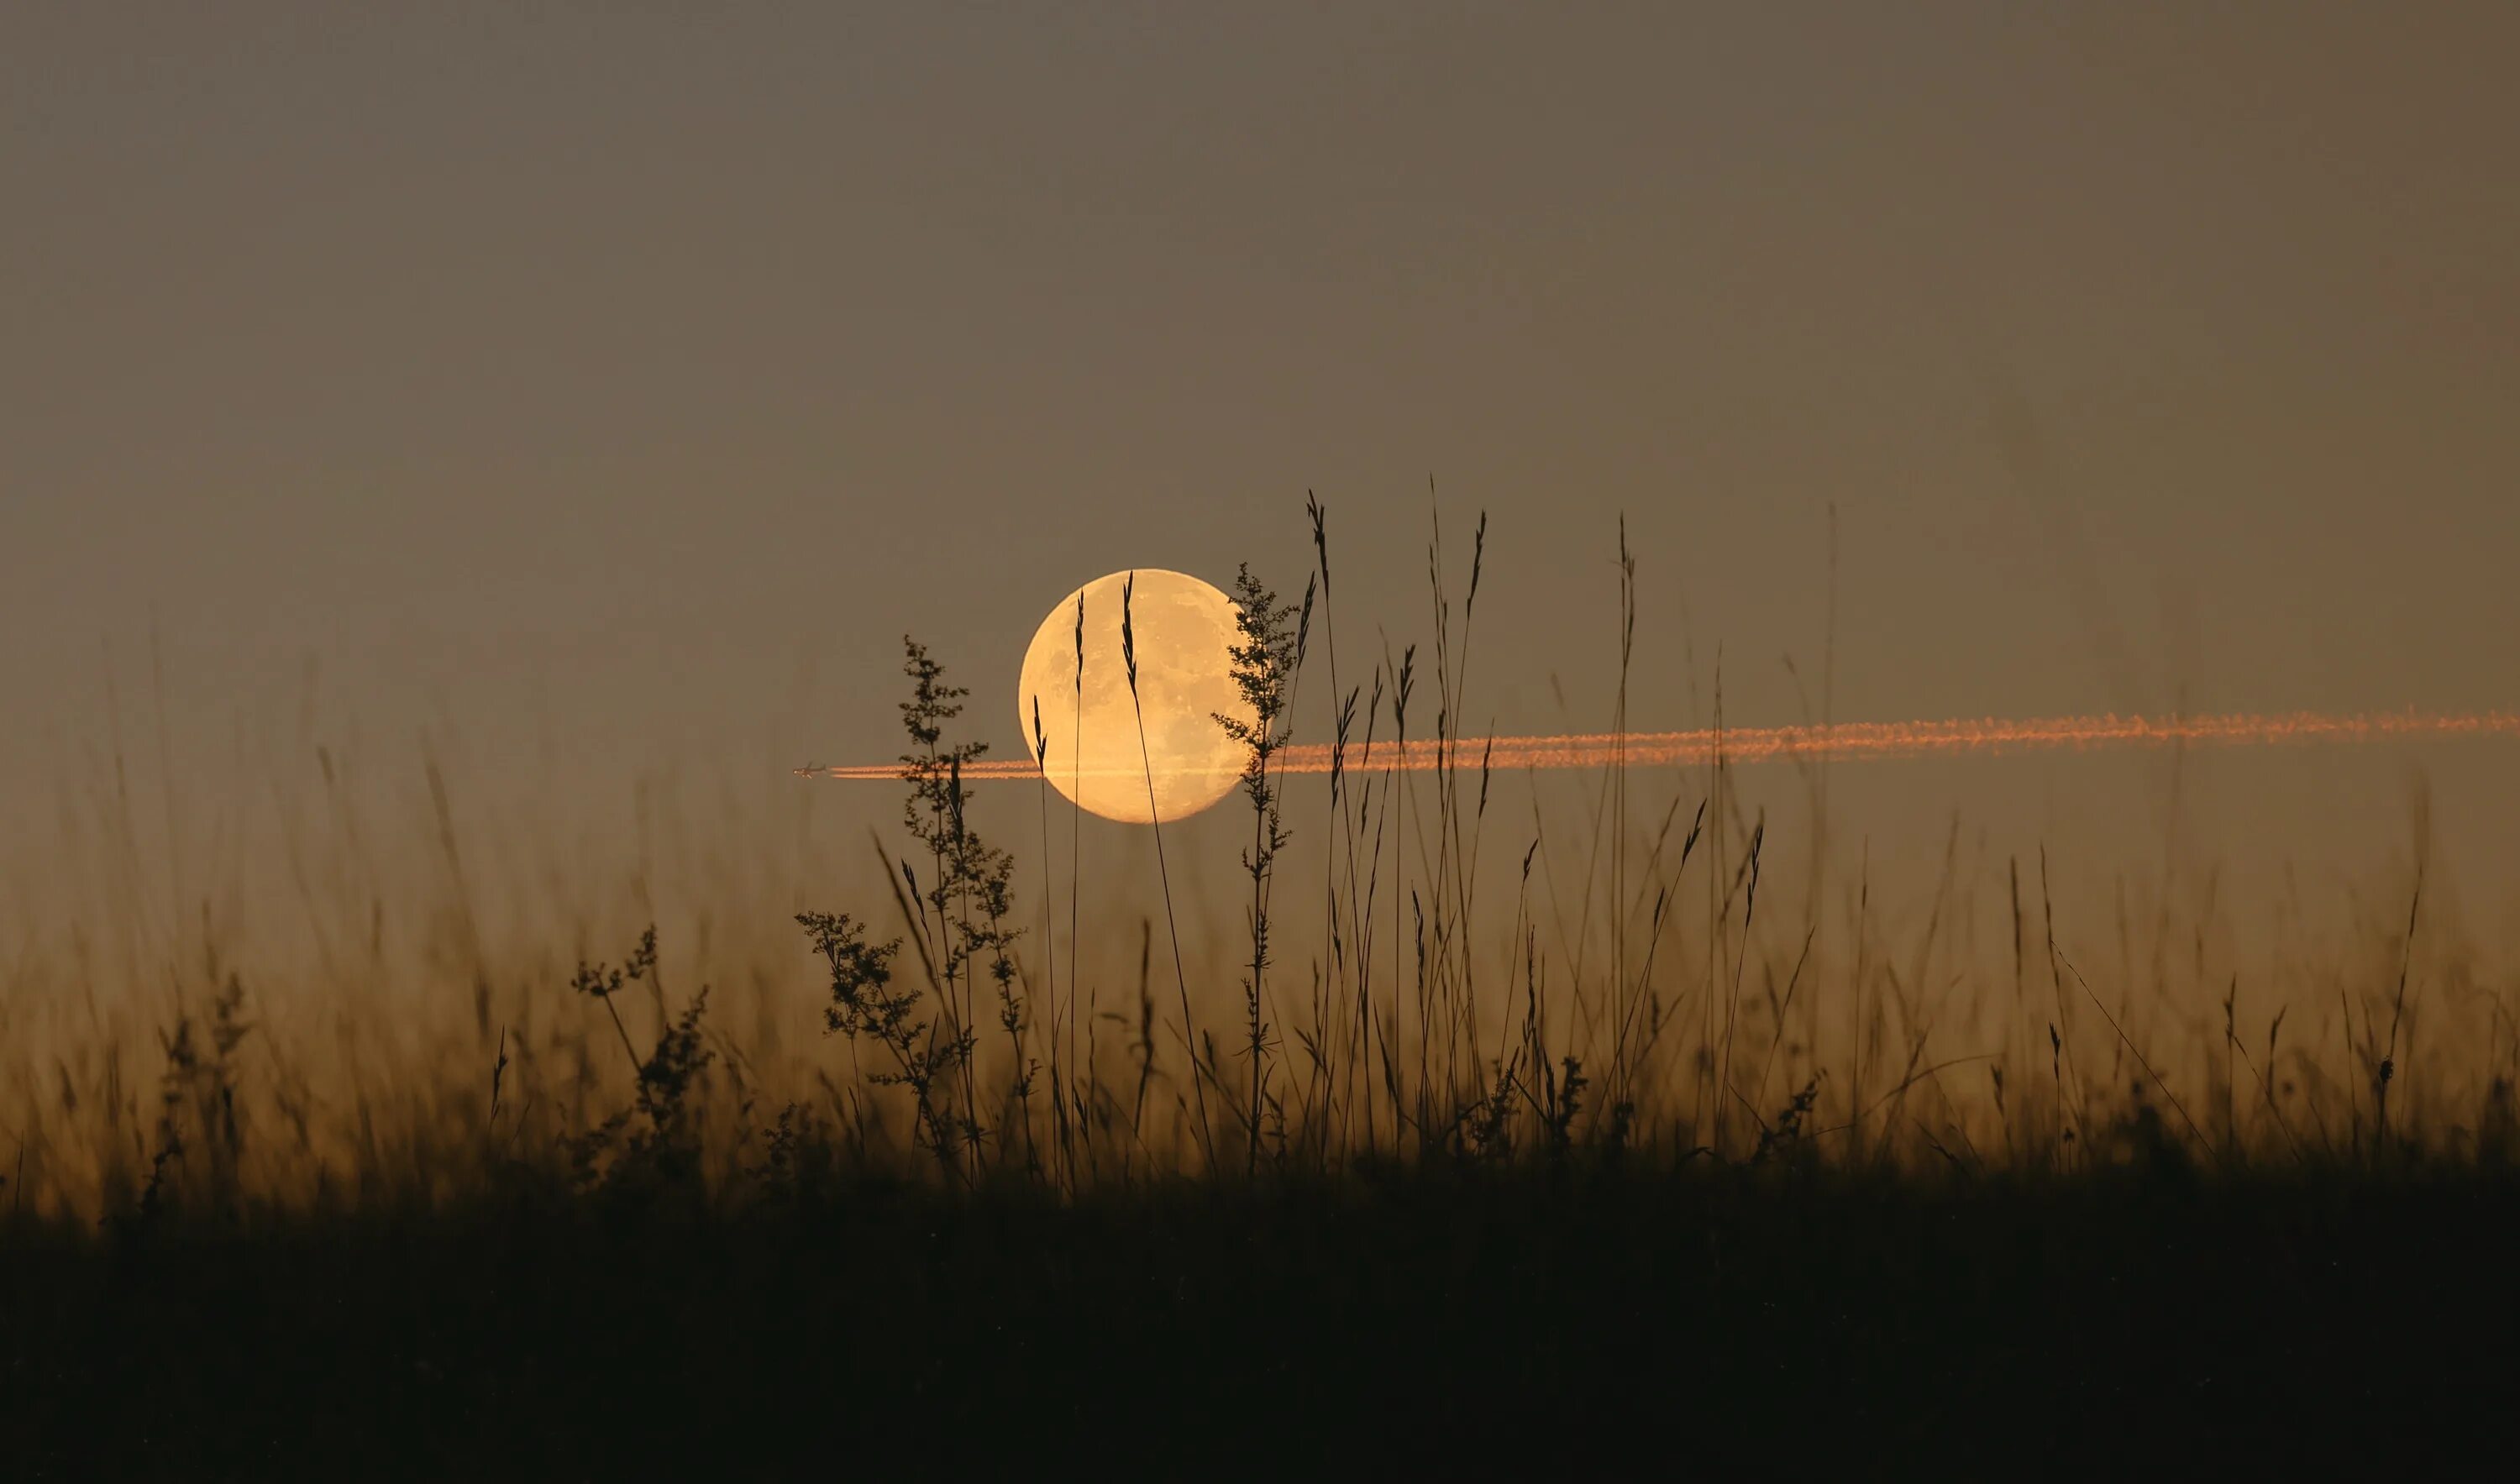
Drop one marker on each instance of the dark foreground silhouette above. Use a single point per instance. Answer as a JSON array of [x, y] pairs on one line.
[[1704, 1318]]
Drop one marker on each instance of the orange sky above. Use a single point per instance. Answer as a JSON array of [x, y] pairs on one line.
[[610, 393]]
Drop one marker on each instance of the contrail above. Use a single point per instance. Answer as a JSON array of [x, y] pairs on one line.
[[1855, 741]]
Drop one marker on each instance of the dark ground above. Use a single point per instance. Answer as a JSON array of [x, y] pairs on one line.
[[1705, 1321]]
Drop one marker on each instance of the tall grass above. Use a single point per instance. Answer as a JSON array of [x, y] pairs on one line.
[[1190, 1040], [219, 1058], [1266, 664]]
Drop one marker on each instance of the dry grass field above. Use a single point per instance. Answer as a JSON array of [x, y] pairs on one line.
[[356, 1134]]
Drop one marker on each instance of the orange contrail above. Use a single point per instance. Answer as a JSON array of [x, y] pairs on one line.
[[1849, 740]]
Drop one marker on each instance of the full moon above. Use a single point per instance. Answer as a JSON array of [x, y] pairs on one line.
[[1185, 632]]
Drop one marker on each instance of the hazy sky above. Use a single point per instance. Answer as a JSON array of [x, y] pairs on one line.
[[630, 377]]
